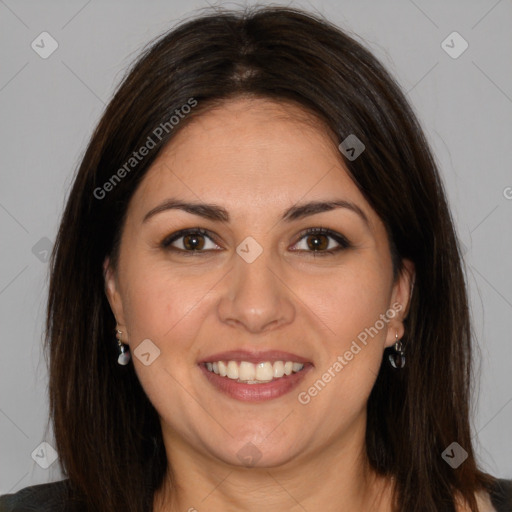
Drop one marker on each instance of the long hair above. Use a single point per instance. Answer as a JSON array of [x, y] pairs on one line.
[[107, 432]]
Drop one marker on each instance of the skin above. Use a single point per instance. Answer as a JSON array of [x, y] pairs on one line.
[[256, 158]]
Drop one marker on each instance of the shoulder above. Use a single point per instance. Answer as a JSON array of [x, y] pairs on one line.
[[496, 497], [51, 497], [501, 495]]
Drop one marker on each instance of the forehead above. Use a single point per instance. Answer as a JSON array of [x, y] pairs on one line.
[[249, 153]]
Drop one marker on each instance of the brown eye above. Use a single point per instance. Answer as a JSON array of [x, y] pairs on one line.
[[320, 241], [190, 241], [317, 242], [193, 242]]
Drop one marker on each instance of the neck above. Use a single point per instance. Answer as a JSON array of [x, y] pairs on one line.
[[333, 479]]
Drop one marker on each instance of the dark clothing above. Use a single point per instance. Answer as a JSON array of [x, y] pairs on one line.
[[53, 497]]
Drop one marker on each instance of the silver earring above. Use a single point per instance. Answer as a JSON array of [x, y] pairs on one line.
[[124, 351], [397, 358]]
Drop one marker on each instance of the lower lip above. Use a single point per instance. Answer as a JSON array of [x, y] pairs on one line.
[[256, 392]]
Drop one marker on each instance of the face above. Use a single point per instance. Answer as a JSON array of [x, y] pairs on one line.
[[247, 250]]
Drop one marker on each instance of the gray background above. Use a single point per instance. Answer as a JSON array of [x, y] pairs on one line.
[[50, 106]]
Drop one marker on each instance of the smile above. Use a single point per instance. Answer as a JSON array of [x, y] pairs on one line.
[[251, 373]]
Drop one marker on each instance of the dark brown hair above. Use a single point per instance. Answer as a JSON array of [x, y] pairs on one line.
[[107, 432]]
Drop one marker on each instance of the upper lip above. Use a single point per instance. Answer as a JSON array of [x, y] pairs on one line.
[[255, 357]]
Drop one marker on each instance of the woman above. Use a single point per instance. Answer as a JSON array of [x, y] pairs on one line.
[[256, 298]]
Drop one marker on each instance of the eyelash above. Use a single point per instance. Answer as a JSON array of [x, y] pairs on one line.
[[340, 239]]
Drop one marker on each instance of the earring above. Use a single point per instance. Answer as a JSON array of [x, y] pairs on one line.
[[397, 358], [124, 351]]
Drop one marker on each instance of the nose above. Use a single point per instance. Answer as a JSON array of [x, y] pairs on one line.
[[256, 297]]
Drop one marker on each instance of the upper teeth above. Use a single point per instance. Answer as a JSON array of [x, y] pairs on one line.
[[250, 373]]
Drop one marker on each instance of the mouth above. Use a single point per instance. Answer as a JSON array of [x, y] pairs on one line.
[[250, 376], [250, 373]]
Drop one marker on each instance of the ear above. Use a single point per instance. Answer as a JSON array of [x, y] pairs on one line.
[[112, 292], [400, 301]]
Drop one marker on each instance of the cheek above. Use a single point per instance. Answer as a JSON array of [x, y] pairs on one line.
[[159, 299], [349, 304], [348, 300], [167, 308]]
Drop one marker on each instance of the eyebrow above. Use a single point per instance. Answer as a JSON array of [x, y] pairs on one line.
[[220, 214]]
